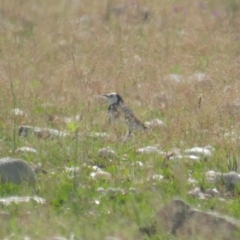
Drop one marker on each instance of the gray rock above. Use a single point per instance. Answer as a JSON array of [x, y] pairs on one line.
[[106, 153], [184, 222], [155, 123], [19, 199], [149, 150], [16, 171], [25, 131], [200, 151], [230, 179], [197, 193], [26, 150]]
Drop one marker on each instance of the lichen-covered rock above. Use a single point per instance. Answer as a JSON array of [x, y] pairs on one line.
[[16, 171], [184, 222]]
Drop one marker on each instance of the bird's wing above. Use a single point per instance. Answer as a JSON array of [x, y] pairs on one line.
[[131, 118]]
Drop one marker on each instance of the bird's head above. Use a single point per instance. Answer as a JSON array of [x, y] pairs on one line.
[[113, 98]]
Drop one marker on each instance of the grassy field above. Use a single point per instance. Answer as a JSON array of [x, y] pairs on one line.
[[57, 57]]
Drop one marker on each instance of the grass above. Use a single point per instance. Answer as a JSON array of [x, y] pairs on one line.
[[52, 63]]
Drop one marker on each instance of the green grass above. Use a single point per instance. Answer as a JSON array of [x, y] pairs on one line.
[[58, 66]]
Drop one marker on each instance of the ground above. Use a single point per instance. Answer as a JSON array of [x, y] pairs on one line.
[[180, 65]]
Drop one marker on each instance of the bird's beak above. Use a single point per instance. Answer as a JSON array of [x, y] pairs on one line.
[[105, 95]]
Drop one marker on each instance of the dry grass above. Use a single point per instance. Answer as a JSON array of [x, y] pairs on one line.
[[60, 55]]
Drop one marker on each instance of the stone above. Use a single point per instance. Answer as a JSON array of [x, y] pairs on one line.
[[155, 123], [184, 222], [150, 150], [26, 150], [25, 131], [106, 153], [230, 179], [19, 199], [16, 171], [101, 175], [200, 151]]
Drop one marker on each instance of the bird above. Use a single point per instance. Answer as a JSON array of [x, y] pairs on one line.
[[118, 108]]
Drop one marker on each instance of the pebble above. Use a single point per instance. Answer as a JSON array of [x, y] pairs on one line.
[[101, 175], [155, 123], [106, 153], [200, 151], [26, 150], [19, 199], [25, 131], [149, 150]]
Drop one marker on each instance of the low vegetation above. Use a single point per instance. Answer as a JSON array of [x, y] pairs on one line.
[[177, 61]]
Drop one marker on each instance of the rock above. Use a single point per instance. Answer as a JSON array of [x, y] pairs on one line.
[[101, 190], [185, 222], [17, 199], [190, 157], [16, 171], [192, 180], [211, 176], [101, 175], [173, 154], [98, 135], [197, 193], [25, 131], [212, 192], [155, 123], [200, 151], [26, 150], [149, 150], [196, 153], [155, 177], [106, 153], [231, 179], [111, 192], [73, 172]]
